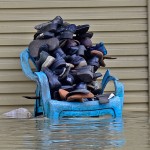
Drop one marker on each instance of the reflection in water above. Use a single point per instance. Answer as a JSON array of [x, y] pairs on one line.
[[77, 133], [131, 132]]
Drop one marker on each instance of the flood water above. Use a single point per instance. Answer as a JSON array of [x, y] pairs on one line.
[[132, 132]]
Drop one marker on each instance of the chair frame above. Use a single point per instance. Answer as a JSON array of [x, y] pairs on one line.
[[55, 109]]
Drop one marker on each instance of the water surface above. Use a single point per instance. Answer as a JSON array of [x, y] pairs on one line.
[[132, 132]]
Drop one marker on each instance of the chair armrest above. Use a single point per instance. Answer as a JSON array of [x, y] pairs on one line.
[[39, 77], [45, 95], [119, 88], [24, 60]]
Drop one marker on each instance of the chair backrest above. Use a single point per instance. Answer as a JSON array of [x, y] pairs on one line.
[[25, 65]]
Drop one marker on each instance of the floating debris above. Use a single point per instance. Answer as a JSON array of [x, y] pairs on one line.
[[18, 113]]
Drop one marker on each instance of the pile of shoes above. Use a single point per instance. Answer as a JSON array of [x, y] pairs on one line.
[[65, 53]]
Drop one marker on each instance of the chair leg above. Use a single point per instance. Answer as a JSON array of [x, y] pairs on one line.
[[37, 106], [118, 110]]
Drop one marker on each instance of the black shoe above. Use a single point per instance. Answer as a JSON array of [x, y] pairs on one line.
[[81, 29], [68, 80], [103, 98], [94, 61], [96, 75], [50, 25], [58, 63], [42, 25], [87, 42], [100, 55], [60, 52], [57, 20], [85, 35], [59, 71], [55, 95], [45, 35], [94, 87], [34, 45], [68, 88], [36, 34], [62, 28], [78, 61], [52, 78], [46, 27], [84, 74], [45, 48], [65, 73], [68, 33], [72, 50], [81, 50], [45, 60], [71, 43], [80, 88]]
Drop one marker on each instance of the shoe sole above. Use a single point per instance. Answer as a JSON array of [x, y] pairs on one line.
[[49, 60], [80, 96], [63, 93]]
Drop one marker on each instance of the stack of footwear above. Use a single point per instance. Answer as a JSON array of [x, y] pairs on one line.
[[65, 53]]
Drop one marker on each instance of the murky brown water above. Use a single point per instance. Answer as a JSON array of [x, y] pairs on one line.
[[131, 133]]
